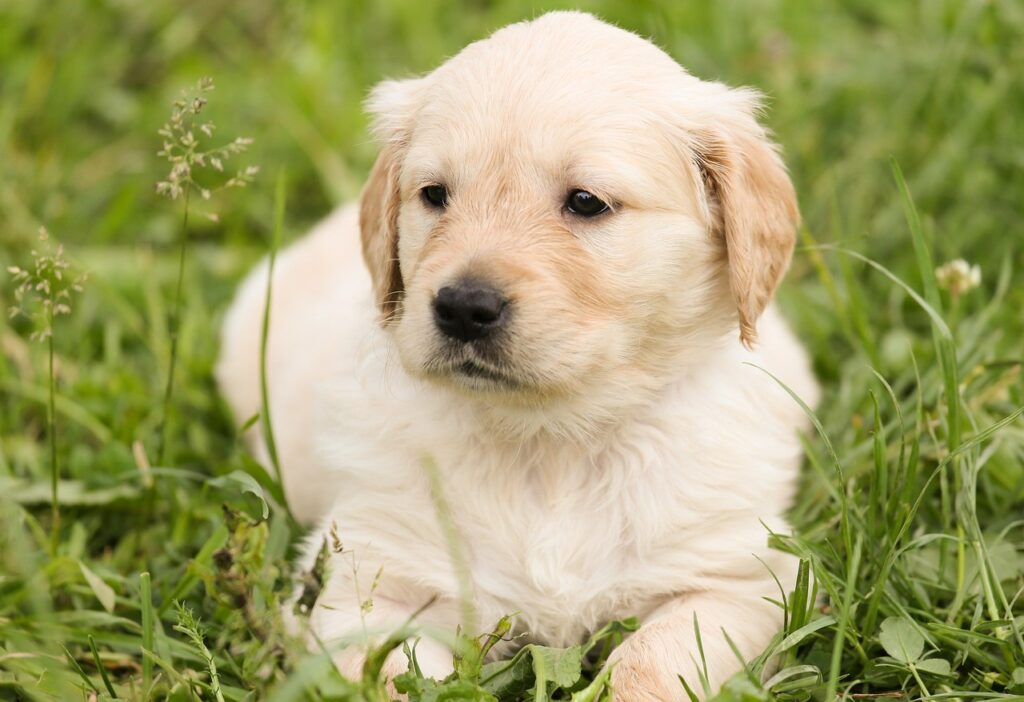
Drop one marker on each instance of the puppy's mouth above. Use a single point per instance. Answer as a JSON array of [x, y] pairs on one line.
[[469, 370], [478, 371]]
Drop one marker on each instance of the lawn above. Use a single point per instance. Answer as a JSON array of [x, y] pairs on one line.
[[163, 577]]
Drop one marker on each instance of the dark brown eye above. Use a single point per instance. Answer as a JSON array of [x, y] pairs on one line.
[[435, 196], [585, 204]]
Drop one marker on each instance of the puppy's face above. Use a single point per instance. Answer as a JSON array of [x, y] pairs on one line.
[[537, 247], [560, 204]]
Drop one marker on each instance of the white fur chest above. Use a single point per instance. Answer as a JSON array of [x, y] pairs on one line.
[[566, 534]]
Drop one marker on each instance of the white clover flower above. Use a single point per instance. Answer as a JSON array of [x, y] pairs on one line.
[[958, 276]]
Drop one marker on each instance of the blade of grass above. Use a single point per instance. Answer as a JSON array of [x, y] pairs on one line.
[[946, 352], [51, 425], [841, 491], [703, 672], [78, 669], [146, 595], [267, 424], [845, 615], [100, 667], [174, 323], [933, 315], [456, 551]]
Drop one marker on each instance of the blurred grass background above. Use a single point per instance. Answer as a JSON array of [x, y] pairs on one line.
[[86, 84]]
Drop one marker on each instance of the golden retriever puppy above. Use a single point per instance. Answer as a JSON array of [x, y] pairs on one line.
[[568, 249]]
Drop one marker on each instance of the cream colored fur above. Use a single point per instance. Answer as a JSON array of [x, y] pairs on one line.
[[636, 468]]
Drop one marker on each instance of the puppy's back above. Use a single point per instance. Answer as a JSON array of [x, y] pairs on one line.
[[316, 283]]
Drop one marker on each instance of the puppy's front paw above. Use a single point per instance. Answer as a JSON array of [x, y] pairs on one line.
[[643, 671]]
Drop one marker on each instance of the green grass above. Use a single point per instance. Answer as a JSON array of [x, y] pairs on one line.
[[911, 508]]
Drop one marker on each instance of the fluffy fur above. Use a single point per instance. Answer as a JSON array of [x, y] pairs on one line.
[[629, 459]]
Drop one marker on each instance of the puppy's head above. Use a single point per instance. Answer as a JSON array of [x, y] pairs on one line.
[[561, 204]]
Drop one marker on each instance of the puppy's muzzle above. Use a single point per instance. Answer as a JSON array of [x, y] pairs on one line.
[[470, 310]]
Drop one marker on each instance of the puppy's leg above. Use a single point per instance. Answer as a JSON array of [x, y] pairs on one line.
[[348, 619], [648, 664]]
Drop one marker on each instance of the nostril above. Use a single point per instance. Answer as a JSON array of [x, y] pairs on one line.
[[468, 310], [448, 304], [487, 309], [486, 315], [444, 310]]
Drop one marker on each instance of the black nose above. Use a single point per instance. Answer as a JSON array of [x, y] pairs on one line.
[[469, 310]]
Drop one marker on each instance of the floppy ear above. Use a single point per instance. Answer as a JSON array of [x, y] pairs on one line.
[[754, 203], [392, 103], [378, 227]]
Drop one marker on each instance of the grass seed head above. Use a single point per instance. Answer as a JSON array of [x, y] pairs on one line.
[[44, 289], [193, 162]]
